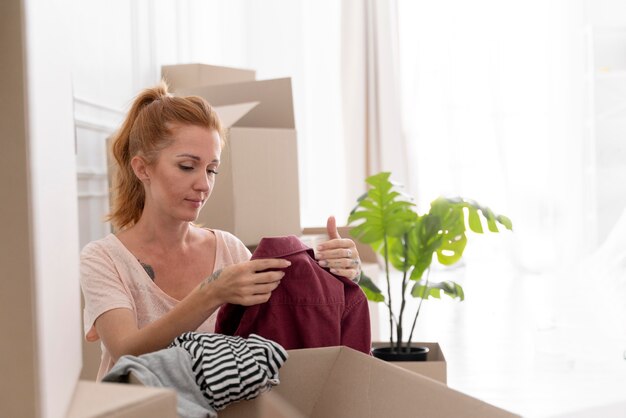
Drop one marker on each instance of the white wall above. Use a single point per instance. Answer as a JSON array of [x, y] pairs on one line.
[[605, 12], [53, 201], [41, 316]]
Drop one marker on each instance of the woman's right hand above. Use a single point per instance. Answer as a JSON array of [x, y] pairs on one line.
[[248, 283]]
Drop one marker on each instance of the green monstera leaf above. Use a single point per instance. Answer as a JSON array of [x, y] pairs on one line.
[[452, 211], [383, 213], [424, 239], [433, 290], [372, 292], [475, 210]]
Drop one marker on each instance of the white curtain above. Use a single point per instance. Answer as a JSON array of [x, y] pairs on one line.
[[372, 130], [300, 39], [492, 95]]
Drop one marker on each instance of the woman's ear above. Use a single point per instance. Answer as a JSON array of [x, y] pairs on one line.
[[140, 168]]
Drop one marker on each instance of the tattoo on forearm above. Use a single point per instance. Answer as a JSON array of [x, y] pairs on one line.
[[148, 268], [212, 277]]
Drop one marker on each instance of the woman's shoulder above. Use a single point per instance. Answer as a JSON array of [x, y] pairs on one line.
[[227, 238], [228, 243], [101, 246]]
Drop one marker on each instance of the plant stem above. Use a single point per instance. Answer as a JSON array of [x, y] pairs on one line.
[[399, 324], [408, 344], [404, 285], [386, 251]]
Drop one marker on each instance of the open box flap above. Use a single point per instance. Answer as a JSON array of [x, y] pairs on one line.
[[275, 108], [181, 76], [341, 382], [98, 399], [361, 385], [230, 114]]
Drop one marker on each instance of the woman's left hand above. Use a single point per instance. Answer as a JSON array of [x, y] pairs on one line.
[[339, 254]]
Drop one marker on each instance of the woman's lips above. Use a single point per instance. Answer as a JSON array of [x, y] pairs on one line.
[[195, 203]]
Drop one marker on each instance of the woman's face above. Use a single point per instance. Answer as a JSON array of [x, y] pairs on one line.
[[182, 178]]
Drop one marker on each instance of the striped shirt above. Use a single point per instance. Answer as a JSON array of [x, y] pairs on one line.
[[228, 369]]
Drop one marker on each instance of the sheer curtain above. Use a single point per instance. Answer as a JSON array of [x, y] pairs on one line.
[[492, 96], [372, 128], [286, 39]]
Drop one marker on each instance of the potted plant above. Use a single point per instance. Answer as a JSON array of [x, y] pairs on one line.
[[386, 219]]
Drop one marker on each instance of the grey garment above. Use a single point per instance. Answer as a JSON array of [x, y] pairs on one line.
[[168, 368]]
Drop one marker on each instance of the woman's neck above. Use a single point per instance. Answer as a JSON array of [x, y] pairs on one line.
[[161, 235]]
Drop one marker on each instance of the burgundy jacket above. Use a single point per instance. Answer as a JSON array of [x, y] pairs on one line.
[[310, 308]]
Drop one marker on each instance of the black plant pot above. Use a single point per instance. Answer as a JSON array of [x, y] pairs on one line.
[[414, 354]]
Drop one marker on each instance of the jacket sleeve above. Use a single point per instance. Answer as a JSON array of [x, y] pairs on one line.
[[355, 323]]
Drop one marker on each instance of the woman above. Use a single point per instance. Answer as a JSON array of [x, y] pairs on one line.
[[160, 275]]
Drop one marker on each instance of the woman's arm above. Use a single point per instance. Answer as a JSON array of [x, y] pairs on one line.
[[241, 284]]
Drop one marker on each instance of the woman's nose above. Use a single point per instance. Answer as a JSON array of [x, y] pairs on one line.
[[203, 182]]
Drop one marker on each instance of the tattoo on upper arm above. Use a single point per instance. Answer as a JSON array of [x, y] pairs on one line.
[[148, 268], [212, 277]]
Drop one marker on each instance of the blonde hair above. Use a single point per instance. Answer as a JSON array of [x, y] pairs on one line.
[[147, 130]]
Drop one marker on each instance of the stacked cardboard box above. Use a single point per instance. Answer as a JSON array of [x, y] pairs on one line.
[[257, 192]]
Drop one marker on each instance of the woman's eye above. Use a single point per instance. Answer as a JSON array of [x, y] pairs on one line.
[[211, 171], [185, 167]]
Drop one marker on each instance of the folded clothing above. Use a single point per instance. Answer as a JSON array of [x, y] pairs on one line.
[[208, 371], [167, 368], [228, 369]]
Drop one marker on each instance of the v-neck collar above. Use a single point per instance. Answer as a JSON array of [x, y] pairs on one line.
[[134, 260]]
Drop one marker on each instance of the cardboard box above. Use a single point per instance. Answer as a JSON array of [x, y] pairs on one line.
[[257, 194], [181, 76], [257, 191], [101, 400], [275, 108], [340, 382], [434, 367]]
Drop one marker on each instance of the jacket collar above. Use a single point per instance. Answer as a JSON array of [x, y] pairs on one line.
[[276, 247]]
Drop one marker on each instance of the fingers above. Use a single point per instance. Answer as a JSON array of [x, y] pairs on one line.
[[338, 253], [345, 267], [268, 277], [343, 249], [336, 243], [331, 228], [256, 299], [268, 263], [340, 263], [261, 290], [351, 274], [248, 283], [266, 289], [253, 292]]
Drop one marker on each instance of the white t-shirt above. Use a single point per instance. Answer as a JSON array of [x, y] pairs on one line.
[[111, 277]]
